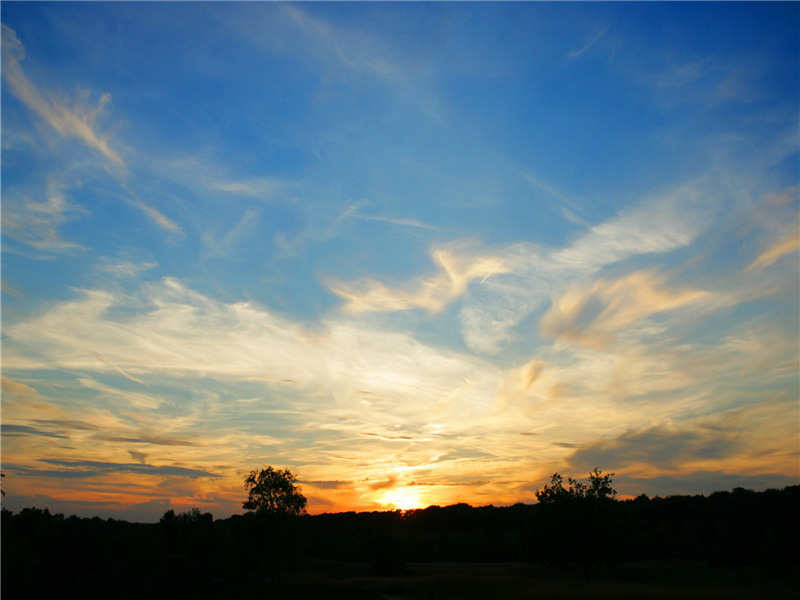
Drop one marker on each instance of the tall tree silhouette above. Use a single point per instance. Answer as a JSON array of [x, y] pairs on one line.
[[272, 532]]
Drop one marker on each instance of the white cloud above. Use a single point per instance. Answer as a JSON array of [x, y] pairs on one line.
[[37, 224], [661, 224], [159, 218], [174, 330], [258, 187], [395, 221], [125, 268]]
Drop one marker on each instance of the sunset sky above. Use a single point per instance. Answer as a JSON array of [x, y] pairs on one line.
[[416, 253]]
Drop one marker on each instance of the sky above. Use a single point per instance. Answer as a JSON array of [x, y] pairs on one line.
[[417, 253]]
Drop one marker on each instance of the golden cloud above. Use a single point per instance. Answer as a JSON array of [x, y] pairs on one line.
[[789, 244], [457, 269], [592, 316]]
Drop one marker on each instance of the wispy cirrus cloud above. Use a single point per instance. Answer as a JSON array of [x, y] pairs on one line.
[[701, 210], [158, 217], [124, 268], [260, 187], [54, 428], [346, 52], [352, 49], [658, 224], [708, 81], [94, 468], [78, 121], [593, 315], [37, 223], [146, 439], [27, 430], [221, 245], [534, 275], [594, 37], [353, 211], [787, 245], [459, 267], [66, 424], [328, 485], [102, 358]]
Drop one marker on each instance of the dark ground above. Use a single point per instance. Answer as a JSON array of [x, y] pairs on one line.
[[740, 544], [333, 580]]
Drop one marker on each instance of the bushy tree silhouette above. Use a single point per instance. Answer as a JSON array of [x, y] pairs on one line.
[[578, 521], [598, 488], [273, 492]]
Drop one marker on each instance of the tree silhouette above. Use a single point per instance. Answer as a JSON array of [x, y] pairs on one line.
[[555, 492], [272, 532], [273, 492], [598, 488], [578, 521]]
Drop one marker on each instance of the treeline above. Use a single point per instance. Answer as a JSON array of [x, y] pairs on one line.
[[735, 528], [191, 554]]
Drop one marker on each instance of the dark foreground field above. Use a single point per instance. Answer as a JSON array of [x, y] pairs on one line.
[[334, 580], [739, 544], [318, 579]]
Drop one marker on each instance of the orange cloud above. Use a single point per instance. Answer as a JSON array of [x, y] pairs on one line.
[[20, 390], [789, 244], [384, 485], [433, 294], [592, 316]]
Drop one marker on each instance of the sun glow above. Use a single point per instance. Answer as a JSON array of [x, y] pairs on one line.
[[402, 498]]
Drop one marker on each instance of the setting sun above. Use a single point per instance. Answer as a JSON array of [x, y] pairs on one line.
[[403, 498]]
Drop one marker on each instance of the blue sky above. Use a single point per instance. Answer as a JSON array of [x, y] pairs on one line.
[[418, 253]]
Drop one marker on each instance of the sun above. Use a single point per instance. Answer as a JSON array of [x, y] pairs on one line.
[[402, 498]]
